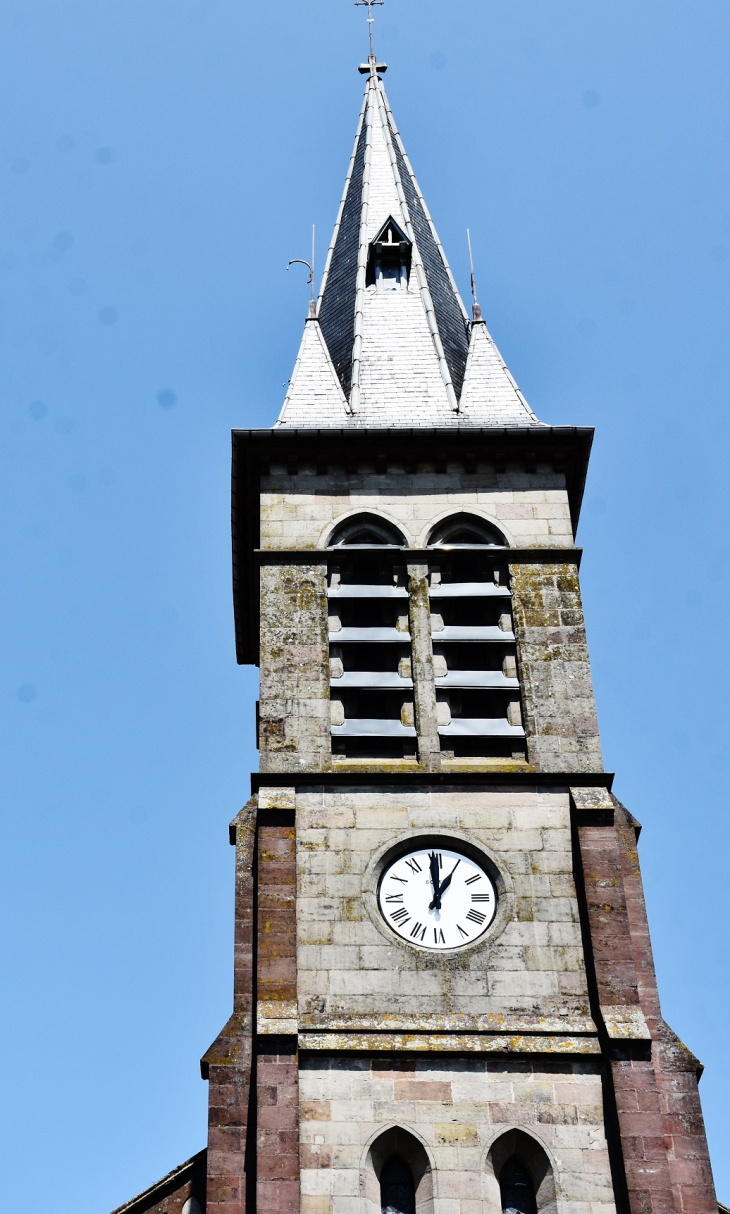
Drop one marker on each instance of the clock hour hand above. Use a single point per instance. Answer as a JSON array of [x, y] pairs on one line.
[[434, 866], [447, 880]]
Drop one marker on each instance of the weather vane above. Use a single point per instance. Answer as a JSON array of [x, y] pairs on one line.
[[369, 4]]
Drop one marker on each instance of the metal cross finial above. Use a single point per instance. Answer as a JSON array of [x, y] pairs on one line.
[[369, 4]]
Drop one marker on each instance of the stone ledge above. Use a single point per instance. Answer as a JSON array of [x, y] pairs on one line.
[[625, 1022], [455, 1023], [435, 1043], [483, 780], [274, 1016], [549, 555]]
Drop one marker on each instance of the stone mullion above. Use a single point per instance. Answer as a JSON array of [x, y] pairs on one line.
[[424, 687]]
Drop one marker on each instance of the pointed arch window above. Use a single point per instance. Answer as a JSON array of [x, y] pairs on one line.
[[389, 258], [397, 1189], [466, 529], [366, 530]]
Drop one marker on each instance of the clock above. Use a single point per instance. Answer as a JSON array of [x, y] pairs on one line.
[[437, 898]]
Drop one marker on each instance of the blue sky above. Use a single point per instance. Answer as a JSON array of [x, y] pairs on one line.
[[161, 161]]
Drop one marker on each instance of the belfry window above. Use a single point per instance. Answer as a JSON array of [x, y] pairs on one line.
[[371, 685], [478, 702], [517, 1189], [389, 260], [397, 1190]]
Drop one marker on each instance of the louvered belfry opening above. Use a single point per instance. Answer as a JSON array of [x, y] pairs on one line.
[[371, 687], [474, 657]]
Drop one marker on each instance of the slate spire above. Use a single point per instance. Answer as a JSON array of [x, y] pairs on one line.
[[391, 343]]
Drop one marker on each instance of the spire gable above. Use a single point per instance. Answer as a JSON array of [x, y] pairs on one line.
[[490, 396], [315, 396]]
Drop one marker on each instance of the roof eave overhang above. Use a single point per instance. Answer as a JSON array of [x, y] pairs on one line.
[[566, 447]]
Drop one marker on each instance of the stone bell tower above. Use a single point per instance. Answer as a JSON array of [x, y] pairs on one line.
[[445, 1000]]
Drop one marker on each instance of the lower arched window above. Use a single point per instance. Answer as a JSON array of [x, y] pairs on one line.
[[517, 1189], [397, 1189]]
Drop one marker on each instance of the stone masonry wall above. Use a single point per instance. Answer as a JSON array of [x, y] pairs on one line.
[[351, 967], [530, 507], [456, 1108], [294, 713], [554, 669]]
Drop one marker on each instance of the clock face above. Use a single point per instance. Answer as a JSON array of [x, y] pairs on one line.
[[437, 898]]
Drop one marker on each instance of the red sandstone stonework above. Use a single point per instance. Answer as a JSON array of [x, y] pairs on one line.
[[662, 1134], [277, 1079], [228, 1063]]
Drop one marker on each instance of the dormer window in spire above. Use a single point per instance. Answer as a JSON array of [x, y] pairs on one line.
[[389, 259]]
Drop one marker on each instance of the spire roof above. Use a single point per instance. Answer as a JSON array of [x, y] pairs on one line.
[[391, 343]]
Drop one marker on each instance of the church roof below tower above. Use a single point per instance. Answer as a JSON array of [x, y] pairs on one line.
[[392, 344]]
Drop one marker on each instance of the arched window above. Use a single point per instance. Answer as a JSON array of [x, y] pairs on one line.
[[466, 529], [397, 1190], [521, 1174], [397, 1176], [366, 531], [517, 1189]]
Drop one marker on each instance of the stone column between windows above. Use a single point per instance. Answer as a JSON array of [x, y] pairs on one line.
[[424, 687]]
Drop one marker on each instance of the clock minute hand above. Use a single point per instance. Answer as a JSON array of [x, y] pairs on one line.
[[434, 866]]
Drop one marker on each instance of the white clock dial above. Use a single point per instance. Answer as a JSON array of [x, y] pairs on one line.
[[437, 898]]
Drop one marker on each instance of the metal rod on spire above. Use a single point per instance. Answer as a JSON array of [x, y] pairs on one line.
[[369, 5], [476, 309], [298, 261]]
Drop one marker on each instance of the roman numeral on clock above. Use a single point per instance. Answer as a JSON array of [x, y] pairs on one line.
[[438, 936], [480, 897], [476, 917], [413, 864], [471, 880], [400, 916], [418, 932], [459, 928], [403, 880], [394, 898]]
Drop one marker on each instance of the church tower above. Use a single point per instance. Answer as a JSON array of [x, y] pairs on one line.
[[445, 1000]]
